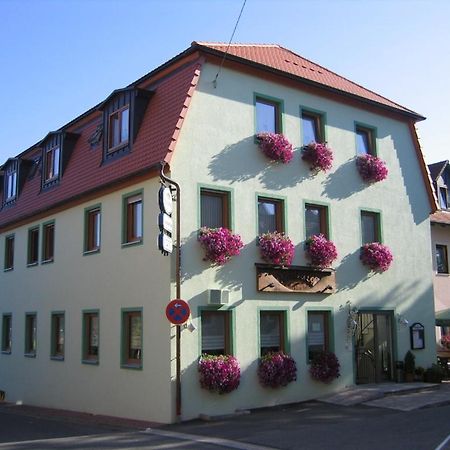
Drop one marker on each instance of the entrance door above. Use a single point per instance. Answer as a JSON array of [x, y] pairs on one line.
[[373, 348]]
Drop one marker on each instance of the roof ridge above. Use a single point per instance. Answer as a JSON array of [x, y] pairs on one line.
[[347, 79], [235, 44]]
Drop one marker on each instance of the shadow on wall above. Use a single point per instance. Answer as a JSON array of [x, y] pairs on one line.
[[343, 182], [243, 161], [351, 272]]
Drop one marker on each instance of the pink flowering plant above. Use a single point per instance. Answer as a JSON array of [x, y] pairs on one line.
[[276, 369], [320, 250], [445, 340], [219, 373], [325, 367], [377, 256], [318, 156], [276, 248], [220, 244], [275, 146], [371, 168]]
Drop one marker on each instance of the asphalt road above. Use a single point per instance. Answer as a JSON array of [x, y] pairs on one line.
[[308, 426]]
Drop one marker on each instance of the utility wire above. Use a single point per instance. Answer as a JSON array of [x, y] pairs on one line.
[[229, 43]]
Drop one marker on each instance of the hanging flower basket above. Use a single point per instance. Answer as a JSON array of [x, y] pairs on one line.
[[320, 250], [276, 369], [371, 168], [325, 367], [276, 248], [219, 373], [220, 244], [275, 146], [318, 156], [377, 256]]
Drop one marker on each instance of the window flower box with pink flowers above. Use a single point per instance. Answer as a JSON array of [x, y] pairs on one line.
[[371, 168], [220, 244], [276, 248], [318, 155], [376, 256], [325, 367], [276, 369], [275, 146], [320, 251], [219, 373]]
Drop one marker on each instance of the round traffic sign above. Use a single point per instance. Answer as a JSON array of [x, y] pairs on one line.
[[177, 311]]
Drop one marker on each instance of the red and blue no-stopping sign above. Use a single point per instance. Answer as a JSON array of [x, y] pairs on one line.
[[177, 311]]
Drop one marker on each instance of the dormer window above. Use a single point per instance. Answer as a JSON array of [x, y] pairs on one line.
[[10, 180], [11, 185], [119, 125], [52, 163]]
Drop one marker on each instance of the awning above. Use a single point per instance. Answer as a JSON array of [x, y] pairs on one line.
[[443, 318]]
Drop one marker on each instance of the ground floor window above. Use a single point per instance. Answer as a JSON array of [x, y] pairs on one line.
[[91, 324], [58, 335], [216, 336], [30, 334], [318, 333], [132, 338], [272, 330], [6, 333]]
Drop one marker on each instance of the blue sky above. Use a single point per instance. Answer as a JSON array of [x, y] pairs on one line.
[[58, 58]]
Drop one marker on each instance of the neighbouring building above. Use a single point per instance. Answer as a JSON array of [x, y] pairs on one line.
[[440, 241], [84, 287]]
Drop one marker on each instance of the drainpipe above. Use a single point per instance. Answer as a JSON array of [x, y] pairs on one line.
[[178, 288]]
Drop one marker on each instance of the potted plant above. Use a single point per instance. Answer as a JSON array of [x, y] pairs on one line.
[[410, 365], [219, 373], [325, 367], [276, 248], [376, 256], [320, 250], [371, 168], [319, 156], [220, 244], [275, 146], [276, 369]]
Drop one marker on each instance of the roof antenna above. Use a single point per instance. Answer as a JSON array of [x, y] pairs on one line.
[[226, 51]]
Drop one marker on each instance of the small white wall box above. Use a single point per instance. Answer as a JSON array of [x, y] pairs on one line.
[[218, 296]]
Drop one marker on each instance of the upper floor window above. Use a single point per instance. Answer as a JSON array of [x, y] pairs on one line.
[[33, 246], [48, 242], [214, 208], [365, 141], [9, 252], [318, 333], [443, 197], [52, 160], [92, 226], [119, 125], [270, 215], [311, 127], [316, 220], [272, 327], [216, 332], [133, 218], [268, 115], [370, 227], [441, 259], [6, 333]]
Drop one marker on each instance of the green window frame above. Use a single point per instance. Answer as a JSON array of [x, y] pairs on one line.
[[365, 139], [9, 252], [92, 229], [48, 242], [7, 333], [33, 247], [91, 337], [370, 226], [315, 121], [132, 338], [30, 334], [270, 206], [133, 218], [319, 332], [268, 109], [58, 335], [273, 332]]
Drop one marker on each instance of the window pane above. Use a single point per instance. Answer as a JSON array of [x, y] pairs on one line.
[[48, 242], [212, 208], [56, 155], [138, 219], [310, 131], [135, 333], [213, 333], [313, 220], [443, 198], [7, 334], [270, 332], [317, 338], [270, 215], [91, 324], [9, 252], [124, 125], [31, 332], [134, 219], [441, 259], [266, 117], [362, 142], [369, 228], [33, 246]]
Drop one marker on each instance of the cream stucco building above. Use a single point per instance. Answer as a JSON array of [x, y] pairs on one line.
[[84, 287]]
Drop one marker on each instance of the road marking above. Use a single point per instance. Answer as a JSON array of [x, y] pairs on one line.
[[443, 443], [208, 440]]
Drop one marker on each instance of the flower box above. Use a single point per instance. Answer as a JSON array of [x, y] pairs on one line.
[[325, 367], [275, 146], [219, 373], [220, 244], [376, 256], [276, 369], [318, 155], [276, 248], [371, 168], [320, 250]]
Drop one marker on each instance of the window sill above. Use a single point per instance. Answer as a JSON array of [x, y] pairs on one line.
[[91, 252], [30, 355], [442, 274], [90, 362], [47, 261], [57, 358], [116, 148], [9, 269], [131, 243], [131, 366], [34, 264], [6, 352]]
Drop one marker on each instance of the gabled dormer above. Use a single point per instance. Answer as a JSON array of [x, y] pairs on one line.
[[440, 175], [123, 112], [57, 148]]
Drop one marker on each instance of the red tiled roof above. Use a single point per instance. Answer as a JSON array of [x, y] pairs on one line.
[[284, 60], [85, 171], [441, 217]]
